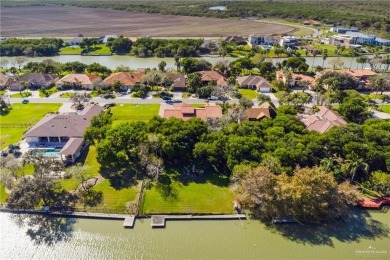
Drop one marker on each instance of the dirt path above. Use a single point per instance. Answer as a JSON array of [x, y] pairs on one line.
[[56, 21], [92, 181]]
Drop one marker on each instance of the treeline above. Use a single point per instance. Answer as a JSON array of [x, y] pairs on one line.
[[148, 47], [365, 14], [30, 47], [351, 152]]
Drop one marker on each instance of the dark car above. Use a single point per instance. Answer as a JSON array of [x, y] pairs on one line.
[[25, 101], [166, 98], [169, 102], [177, 101], [109, 105]]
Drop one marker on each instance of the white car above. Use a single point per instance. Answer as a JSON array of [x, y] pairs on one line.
[[213, 98]]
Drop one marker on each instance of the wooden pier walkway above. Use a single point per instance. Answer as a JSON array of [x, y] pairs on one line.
[[159, 220], [129, 222]]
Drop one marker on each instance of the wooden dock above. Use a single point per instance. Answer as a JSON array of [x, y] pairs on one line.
[[158, 221], [129, 222]]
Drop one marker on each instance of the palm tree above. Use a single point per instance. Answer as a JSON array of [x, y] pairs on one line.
[[352, 52], [362, 60], [351, 167], [324, 56], [314, 57], [177, 62]]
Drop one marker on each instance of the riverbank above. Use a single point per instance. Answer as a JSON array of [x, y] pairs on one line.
[[129, 220], [26, 237]]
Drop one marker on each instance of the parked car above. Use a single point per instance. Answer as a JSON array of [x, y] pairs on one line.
[[109, 105], [213, 98], [177, 101], [166, 98], [169, 102], [25, 101]]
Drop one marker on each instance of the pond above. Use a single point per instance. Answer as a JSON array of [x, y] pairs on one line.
[[366, 234]]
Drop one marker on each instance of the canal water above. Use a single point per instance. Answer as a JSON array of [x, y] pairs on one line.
[[134, 62], [36, 237]]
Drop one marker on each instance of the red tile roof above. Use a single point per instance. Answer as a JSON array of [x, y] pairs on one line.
[[185, 111], [265, 110], [126, 78], [83, 79], [322, 121], [211, 75]]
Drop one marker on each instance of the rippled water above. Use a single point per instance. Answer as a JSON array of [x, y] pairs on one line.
[[26, 237]]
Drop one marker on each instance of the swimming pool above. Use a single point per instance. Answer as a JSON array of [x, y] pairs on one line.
[[46, 152]]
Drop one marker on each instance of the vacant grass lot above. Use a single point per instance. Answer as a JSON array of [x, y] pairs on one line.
[[69, 50], [114, 199], [11, 132], [172, 196], [248, 93], [133, 112]]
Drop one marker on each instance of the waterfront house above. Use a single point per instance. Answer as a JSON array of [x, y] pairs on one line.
[[363, 76], [212, 75], [321, 121], [75, 41], [104, 39], [186, 111], [39, 80], [254, 82], [63, 131], [265, 110], [128, 79], [294, 79], [289, 41], [176, 81], [255, 40], [343, 30], [235, 39], [83, 81]]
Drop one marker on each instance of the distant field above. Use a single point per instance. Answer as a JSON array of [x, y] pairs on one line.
[[70, 21], [24, 114]]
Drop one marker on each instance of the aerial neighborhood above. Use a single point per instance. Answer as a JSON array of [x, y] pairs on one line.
[[278, 116]]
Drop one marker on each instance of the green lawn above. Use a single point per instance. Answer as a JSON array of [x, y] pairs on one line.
[[134, 112], [21, 114], [28, 169], [2, 92], [211, 196], [115, 199], [100, 49], [385, 108], [69, 50], [47, 92], [66, 95], [93, 170], [248, 93], [22, 94], [3, 194]]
